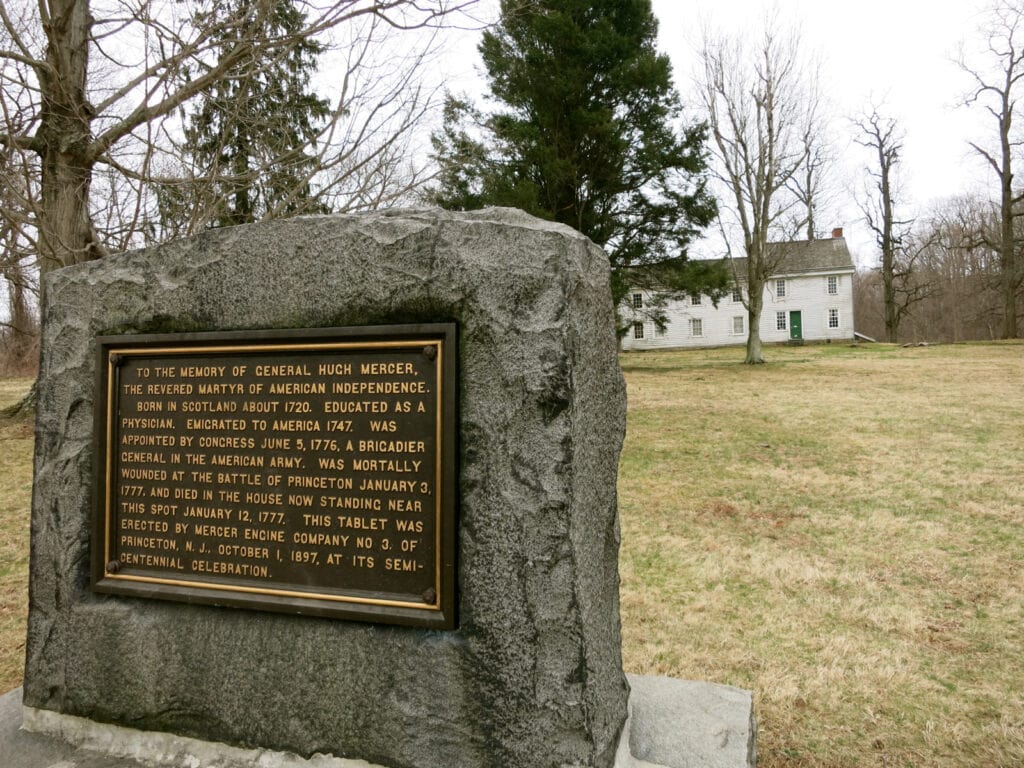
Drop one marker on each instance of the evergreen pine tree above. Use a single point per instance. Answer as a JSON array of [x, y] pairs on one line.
[[248, 138], [586, 134]]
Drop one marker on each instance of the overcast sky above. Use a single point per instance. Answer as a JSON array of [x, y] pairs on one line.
[[897, 53]]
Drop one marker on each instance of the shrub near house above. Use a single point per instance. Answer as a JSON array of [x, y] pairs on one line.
[[809, 297]]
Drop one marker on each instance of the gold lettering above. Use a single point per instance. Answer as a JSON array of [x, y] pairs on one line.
[[392, 446], [295, 425], [169, 389], [150, 561], [334, 369], [404, 505], [356, 406], [239, 478], [298, 388], [209, 406], [149, 441], [282, 370], [387, 369], [202, 425], [379, 388], [129, 423], [362, 523], [200, 372], [276, 444], [149, 542], [260, 406], [236, 460], [135, 524], [262, 534], [231, 569], [222, 441], [401, 564], [209, 513], [140, 457], [214, 508]]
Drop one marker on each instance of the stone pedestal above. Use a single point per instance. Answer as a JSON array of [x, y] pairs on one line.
[[672, 724], [532, 675]]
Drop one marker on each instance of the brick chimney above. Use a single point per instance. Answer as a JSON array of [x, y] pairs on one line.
[[837, 232]]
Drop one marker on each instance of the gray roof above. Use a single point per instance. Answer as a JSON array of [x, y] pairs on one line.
[[799, 256]]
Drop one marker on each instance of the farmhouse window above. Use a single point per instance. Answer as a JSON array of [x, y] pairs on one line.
[[737, 325], [780, 288], [833, 318], [638, 330], [780, 321], [833, 285], [696, 326], [638, 301], [737, 294], [695, 299]]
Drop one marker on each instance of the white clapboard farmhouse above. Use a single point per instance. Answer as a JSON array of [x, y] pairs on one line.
[[809, 298]]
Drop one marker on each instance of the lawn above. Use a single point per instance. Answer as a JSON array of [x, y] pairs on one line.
[[839, 531], [15, 500]]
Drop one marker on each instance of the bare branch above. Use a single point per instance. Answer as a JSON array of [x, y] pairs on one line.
[[24, 54]]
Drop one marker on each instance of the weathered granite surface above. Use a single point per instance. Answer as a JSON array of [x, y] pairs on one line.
[[688, 724], [533, 676], [672, 723]]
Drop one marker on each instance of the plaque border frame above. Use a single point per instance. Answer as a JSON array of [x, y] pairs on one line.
[[442, 614]]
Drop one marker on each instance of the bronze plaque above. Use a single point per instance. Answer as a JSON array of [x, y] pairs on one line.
[[306, 471]]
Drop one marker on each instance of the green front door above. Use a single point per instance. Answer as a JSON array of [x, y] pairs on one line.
[[795, 329]]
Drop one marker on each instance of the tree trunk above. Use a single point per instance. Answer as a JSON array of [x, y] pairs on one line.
[[1007, 244], [66, 235], [1009, 269], [20, 340], [889, 298], [755, 301], [886, 157]]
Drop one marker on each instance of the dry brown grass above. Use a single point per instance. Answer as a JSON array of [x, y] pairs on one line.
[[839, 531], [15, 501]]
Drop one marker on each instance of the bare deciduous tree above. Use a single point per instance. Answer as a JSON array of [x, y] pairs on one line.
[[996, 76], [963, 300], [763, 114], [964, 270], [151, 60], [19, 189], [360, 154], [902, 286]]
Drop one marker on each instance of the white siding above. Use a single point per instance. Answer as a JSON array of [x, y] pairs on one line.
[[805, 293]]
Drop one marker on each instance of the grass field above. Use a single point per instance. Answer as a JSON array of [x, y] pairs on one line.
[[15, 500], [839, 531]]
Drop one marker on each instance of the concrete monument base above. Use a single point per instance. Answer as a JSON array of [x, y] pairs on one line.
[[672, 724]]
